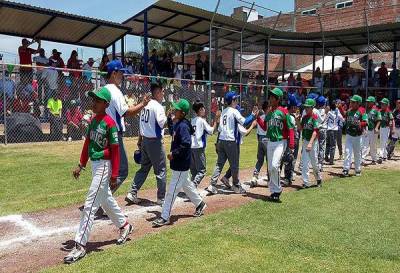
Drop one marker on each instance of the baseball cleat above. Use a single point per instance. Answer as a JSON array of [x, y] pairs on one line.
[[239, 189], [319, 183], [345, 173], [226, 183], [78, 252], [124, 233], [304, 186], [212, 189], [274, 197], [132, 198], [358, 173], [373, 163], [200, 209], [340, 157], [160, 222], [379, 161], [254, 182]]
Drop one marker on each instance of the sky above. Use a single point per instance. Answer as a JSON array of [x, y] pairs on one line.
[[119, 11]]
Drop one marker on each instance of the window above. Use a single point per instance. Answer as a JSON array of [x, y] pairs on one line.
[[309, 12], [343, 5]]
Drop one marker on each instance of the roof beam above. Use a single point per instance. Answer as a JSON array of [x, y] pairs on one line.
[[88, 33], [183, 29], [345, 45], [44, 26], [162, 22]]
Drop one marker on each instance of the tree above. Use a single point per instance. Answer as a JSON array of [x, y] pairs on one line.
[[163, 46]]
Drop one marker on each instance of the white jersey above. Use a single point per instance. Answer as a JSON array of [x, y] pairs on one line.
[[241, 134], [334, 119], [152, 120], [228, 124], [260, 130], [118, 106], [322, 119], [201, 130]]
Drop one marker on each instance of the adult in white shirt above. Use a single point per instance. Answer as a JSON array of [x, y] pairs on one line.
[[151, 124], [333, 121], [50, 78], [322, 127]]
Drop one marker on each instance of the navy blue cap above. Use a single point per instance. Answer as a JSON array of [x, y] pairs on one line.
[[321, 100], [116, 65], [230, 96], [292, 101]]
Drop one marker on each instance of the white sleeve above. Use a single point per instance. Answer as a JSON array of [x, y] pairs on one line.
[[242, 130], [240, 119], [119, 103], [160, 116], [340, 116], [208, 128]]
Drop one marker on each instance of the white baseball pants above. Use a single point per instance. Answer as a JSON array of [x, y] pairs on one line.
[[179, 180], [370, 145], [353, 145], [274, 155], [311, 156], [99, 195], [384, 137], [364, 145]]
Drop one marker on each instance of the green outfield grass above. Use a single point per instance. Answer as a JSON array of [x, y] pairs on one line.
[[349, 225], [37, 176]]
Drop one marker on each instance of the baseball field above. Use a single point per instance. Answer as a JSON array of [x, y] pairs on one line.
[[348, 225]]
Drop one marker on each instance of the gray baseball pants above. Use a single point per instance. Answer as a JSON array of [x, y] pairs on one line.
[[197, 165], [227, 150]]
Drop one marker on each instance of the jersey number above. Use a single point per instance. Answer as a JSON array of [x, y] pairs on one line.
[[194, 128], [145, 115], [224, 120]]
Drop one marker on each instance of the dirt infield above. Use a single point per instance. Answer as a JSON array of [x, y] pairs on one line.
[[33, 241]]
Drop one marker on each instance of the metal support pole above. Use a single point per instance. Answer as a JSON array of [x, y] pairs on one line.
[[313, 65], [323, 50], [368, 41], [216, 44], [113, 51], [233, 60], [4, 103], [283, 65], [394, 54], [145, 44], [333, 64], [105, 51], [123, 51], [210, 64]]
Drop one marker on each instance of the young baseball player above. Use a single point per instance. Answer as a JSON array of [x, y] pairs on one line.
[[227, 148], [101, 146], [322, 128], [355, 122], [261, 148], [309, 127], [396, 133], [151, 124], [240, 134], [199, 142], [374, 121], [334, 118], [279, 129], [289, 159], [179, 158], [387, 127]]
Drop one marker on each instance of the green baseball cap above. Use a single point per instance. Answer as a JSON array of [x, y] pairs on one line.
[[277, 92], [101, 93], [309, 103], [356, 98], [385, 101], [182, 105], [371, 99]]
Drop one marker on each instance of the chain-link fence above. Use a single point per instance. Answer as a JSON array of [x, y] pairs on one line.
[[41, 104]]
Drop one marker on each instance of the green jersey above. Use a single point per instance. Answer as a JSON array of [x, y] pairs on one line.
[[374, 116], [309, 124], [278, 124], [353, 122], [387, 116], [102, 132]]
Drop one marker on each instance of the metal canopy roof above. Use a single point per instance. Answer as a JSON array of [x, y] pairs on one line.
[[173, 21], [29, 21]]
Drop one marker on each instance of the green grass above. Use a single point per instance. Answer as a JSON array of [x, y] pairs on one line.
[[37, 176], [350, 225]]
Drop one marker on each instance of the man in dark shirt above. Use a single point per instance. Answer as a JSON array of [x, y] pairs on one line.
[[199, 65]]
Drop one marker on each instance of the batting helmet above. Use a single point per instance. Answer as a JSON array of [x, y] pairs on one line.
[[292, 101], [137, 156], [321, 100]]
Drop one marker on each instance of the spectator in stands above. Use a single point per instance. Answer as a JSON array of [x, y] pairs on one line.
[[50, 78], [214, 105], [74, 63], [218, 70], [25, 58], [74, 117], [371, 71], [21, 103], [291, 81], [299, 80], [41, 61], [346, 63], [87, 67], [7, 85], [152, 71], [154, 59], [394, 82], [54, 105], [383, 75], [56, 56], [353, 81], [178, 74], [199, 67], [207, 68], [187, 73], [103, 63]]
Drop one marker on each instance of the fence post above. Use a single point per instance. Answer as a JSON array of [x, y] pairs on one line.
[[95, 80], [3, 78]]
